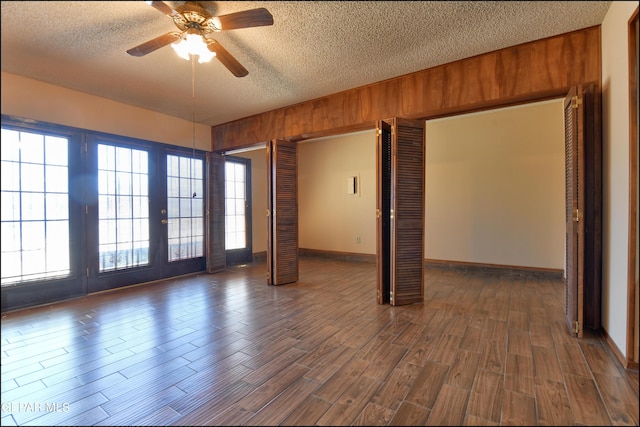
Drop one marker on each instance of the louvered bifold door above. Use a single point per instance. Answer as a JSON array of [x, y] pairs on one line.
[[574, 210], [592, 202], [216, 257], [407, 211], [282, 215], [383, 212]]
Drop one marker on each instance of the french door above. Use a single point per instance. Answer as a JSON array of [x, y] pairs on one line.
[[146, 219], [84, 212]]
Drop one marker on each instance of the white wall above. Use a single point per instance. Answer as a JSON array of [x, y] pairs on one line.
[[615, 227], [329, 218], [495, 198], [33, 99], [495, 187]]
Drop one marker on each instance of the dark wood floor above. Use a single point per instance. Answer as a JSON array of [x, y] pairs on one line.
[[226, 349]]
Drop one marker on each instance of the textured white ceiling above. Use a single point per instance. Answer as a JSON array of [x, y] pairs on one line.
[[313, 49]]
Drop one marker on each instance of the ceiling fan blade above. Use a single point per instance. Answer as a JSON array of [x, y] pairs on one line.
[[248, 18], [154, 44], [227, 59], [163, 7]]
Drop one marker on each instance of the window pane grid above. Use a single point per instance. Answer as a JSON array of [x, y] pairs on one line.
[[35, 207], [185, 210], [123, 214]]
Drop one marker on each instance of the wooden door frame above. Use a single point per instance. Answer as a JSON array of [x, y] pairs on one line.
[[632, 343], [593, 186]]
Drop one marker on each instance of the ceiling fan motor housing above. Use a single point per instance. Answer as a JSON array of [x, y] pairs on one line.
[[193, 15]]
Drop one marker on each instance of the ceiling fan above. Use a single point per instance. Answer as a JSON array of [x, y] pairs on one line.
[[193, 20]]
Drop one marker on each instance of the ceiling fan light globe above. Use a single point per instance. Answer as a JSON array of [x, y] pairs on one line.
[[205, 56], [193, 44], [181, 49]]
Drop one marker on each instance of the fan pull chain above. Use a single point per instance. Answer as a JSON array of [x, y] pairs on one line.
[[193, 121]]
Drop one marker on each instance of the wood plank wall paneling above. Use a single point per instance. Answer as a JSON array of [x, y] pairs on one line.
[[535, 70]]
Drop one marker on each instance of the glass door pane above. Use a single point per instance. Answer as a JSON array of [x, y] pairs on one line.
[[185, 207], [35, 207], [123, 207], [235, 232], [238, 210]]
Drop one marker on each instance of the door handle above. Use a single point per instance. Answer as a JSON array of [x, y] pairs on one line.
[[164, 221]]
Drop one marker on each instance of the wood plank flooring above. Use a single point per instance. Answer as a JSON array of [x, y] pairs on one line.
[[227, 349]]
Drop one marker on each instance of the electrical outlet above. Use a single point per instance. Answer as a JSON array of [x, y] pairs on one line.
[[357, 239]]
